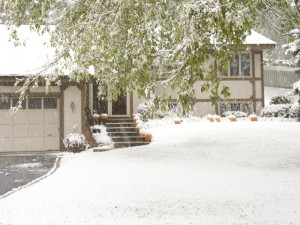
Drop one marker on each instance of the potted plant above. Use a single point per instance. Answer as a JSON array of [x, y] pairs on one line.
[[142, 132], [217, 118]]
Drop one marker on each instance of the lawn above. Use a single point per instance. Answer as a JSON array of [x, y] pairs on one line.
[[228, 173]]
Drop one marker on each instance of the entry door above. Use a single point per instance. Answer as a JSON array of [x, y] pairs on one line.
[[120, 107]]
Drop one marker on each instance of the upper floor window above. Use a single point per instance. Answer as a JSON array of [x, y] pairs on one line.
[[240, 66]]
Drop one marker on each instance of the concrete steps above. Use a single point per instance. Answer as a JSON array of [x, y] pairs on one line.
[[123, 132]]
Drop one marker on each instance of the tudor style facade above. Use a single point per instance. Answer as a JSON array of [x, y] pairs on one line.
[[45, 119]]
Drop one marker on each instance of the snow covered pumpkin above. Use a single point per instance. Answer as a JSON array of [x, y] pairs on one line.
[[217, 118], [103, 116], [74, 142], [139, 127], [232, 118], [210, 118], [177, 120], [142, 132], [148, 136], [253, 117]]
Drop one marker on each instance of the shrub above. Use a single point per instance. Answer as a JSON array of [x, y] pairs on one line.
[[145, 110], [294, 111], [276, 111], [75, 142], [237, 114], [281, 99]]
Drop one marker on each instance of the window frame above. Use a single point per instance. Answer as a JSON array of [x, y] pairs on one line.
[[229, 106], [227, 74]]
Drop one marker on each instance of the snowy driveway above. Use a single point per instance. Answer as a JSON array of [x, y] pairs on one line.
[[202, 173], [17, 170]]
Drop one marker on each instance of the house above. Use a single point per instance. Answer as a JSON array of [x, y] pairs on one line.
[[45, 119]]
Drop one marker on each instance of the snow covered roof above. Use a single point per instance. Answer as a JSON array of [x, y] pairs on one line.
[[23, 60], [258, 39]]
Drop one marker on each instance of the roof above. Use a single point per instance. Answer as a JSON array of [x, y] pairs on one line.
[[29, 59], [258, 39]]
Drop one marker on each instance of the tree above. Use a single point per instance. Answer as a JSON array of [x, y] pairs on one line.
[[139, 44]]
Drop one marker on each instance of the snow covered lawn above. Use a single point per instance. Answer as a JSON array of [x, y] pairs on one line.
[[194, 173]]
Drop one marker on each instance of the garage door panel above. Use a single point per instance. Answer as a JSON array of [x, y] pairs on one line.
[[5, 131], [20, 144], [51, 143], [35, 130], [35, 143], [5, 144], [35, 116], [21, 117], [5, 117], [51, 130], [51, 116], [19, 130]]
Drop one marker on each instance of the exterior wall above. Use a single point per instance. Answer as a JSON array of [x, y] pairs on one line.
[[72, 110]]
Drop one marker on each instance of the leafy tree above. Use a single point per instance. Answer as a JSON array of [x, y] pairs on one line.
[[139, 44]]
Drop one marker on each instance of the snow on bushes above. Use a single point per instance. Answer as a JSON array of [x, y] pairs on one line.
[[281, 99], [74, 142], [276, 111], [102, 138], [145, 110], [237, 114]]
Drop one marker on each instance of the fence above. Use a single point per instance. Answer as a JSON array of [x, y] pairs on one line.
[[279, 76]]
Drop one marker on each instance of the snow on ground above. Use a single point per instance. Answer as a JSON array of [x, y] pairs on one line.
[[194, 173]]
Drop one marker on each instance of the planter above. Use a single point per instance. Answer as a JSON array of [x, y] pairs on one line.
[[148, 137], [218, 119], [253, 119]]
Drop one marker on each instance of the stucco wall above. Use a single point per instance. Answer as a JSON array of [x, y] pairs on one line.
[[72, 117]]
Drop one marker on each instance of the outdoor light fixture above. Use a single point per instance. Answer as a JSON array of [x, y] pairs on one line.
[[72, 106]]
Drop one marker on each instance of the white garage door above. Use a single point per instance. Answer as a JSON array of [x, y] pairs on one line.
[[33, 128]]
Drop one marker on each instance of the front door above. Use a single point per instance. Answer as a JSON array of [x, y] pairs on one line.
[[120, 107]]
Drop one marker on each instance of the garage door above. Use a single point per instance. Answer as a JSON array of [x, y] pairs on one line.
[[33, 128]]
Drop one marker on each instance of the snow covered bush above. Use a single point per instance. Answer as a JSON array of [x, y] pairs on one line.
[[281, 99], [294, 111], [102, 138], [237, 114], [296, 89], [276, 111], [145, 110], [75, 142]]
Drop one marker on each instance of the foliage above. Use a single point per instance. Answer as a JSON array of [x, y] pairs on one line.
[[75, 142], [283, 110], [281, 99], [137, 44], [238, 114]]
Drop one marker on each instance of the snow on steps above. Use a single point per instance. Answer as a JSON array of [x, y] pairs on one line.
[[123, 132]]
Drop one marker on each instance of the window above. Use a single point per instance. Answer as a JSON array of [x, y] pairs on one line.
[[4, 103], [15, 102], [239, 66], [50, 103], [244, 107], [34, 103]]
